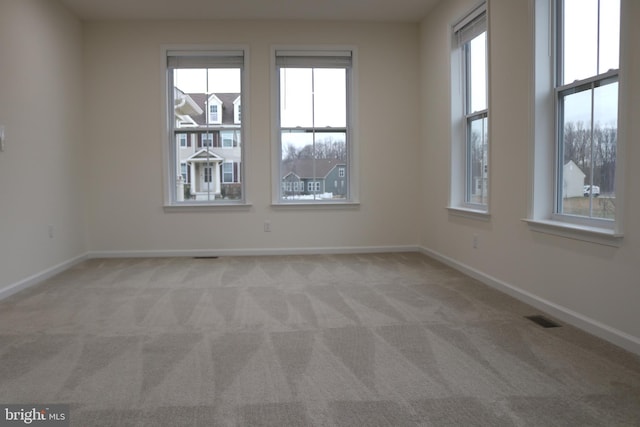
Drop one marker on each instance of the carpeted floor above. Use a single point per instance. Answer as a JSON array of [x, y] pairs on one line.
[[344, 340]]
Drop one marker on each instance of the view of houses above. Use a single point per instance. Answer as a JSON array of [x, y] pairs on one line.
[[314, 178], [208, 140], [208, 144]]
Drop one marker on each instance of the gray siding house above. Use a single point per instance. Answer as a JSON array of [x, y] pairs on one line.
[[303, 177]]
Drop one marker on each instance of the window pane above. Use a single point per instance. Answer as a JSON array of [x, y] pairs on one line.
[[605, 141], [312, 163], [204, 108], [576, 151], [477, 162], [609, 35], [591, 34], [313, 97], [580, 34], [330, 105], [477, 74], [589, 150]]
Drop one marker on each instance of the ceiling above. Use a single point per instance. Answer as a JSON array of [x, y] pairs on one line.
[[343, 10]]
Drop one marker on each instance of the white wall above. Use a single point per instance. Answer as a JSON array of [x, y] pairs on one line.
[[599, 285], [41, 108], [124, 125]]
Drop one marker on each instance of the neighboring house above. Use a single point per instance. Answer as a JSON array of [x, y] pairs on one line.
[[325, 177], [481, 183], [208, 140], [572, 180]]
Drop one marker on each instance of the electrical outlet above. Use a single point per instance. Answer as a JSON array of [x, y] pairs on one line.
[[267, 226], [50, 230], [475, 241], [2, 138]]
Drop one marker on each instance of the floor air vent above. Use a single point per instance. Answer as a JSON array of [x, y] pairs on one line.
[[543, 321], [205, 257]]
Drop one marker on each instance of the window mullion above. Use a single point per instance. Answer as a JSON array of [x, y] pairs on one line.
[[591, 145], [313, 127]]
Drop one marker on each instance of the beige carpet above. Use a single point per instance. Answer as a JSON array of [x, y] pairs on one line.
[[345, 340]]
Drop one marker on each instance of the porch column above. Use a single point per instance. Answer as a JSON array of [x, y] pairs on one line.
[[217, 186], [180, 189], [192, 178]]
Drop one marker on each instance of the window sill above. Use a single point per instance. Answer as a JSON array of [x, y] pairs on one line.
[[469, 213], [598, 235], [315, 205], [207, 207]]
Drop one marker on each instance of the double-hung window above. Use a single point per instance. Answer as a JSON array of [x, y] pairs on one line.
[[313, 126], [470, 113], [586, 92], [578, 139], [204, 89]]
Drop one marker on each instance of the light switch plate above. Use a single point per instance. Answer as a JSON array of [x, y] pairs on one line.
[[1, 138]]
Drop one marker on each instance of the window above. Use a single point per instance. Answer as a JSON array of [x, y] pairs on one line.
[[202, 85], [313, 129], [183, 171], [227, 139], [578, 134], [207, 140], [227, 173], [213, 113], [470, 114], [587, 52], [313, 186]]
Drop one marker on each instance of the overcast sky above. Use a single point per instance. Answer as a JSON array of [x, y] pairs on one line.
[[585, 57]]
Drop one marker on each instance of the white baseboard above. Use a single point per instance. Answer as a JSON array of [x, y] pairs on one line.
[[40, 277], [50, 272], [252, 252], [613, 335]]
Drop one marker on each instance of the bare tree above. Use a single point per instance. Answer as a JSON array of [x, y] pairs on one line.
[[324, 149]]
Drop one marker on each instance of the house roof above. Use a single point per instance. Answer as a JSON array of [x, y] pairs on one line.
[[204, 155], [571, 166], [185, 105], [304, 168], [200, 99]]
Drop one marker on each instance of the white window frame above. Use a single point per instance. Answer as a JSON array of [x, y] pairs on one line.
[[223, 56], [214, 116], [183, 139], [184, 171], [542, 216], [313, 187], [461, 180], [316, 52], [224, 133], [225, 164], [207, 140]]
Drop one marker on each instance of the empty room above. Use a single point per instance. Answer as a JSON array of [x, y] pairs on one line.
[[303, 213]]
